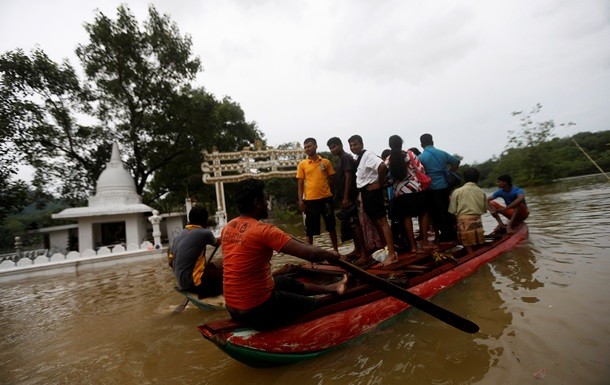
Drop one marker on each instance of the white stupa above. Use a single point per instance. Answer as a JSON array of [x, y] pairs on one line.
[[114, 214]]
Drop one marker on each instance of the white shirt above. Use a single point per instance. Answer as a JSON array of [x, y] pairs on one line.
[[366, 173]]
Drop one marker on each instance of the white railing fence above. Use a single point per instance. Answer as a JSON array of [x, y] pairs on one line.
[[42, 256]]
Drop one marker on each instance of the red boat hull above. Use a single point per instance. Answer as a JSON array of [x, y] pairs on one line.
[[300, 341]]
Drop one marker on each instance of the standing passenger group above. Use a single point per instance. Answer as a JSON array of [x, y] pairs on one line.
[[393, 185]]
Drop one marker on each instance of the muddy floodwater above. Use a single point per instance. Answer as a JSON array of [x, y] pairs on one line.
[[543, 309]]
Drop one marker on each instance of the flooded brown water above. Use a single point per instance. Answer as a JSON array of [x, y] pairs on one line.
[[543, 309]]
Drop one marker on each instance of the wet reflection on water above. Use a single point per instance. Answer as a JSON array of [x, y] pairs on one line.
[[541, 305]]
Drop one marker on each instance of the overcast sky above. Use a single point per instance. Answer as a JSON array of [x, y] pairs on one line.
[[454, 69]]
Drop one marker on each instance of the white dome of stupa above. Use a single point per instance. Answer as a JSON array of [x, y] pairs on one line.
[[115, 193], [115, 177], [115, 184]]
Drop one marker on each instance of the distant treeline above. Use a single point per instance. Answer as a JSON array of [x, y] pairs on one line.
[[548, 161]]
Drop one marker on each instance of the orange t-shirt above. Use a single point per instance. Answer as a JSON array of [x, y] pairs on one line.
[[247, 248]]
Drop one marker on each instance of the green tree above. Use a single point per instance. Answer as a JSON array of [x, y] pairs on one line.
[[137, 91], [204, 122], [532, 164], [13, 194], [137, 74], [39, 104], [141, 79]]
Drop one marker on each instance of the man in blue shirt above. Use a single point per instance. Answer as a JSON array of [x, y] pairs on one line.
[[437, 162], [514, 198]]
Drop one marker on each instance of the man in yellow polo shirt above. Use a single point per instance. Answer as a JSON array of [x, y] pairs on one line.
[[315, 176]]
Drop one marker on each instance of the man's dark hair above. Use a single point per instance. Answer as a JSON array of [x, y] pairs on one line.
[[198, 216], [385, 153], [426, 140], [355, 138], [471, 175], [334, 140], [415, 150], [506, 178], [248, 191], [312, 140]]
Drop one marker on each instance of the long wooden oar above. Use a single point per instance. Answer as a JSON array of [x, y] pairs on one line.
[[181, 307], [212, 256], [412, 299]]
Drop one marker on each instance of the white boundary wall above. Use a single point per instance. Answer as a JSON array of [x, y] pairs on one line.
[[9, 271]]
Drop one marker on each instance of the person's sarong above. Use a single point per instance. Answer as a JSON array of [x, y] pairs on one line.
[[470, 230], [372, 239]]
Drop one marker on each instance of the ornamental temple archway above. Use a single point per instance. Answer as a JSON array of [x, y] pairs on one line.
[[231, 167]]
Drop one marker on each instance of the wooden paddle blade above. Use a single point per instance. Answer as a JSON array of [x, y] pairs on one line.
[[181, 307], [212, 256], [414, 300]]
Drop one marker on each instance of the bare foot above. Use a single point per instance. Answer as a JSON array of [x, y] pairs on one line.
[[341, 286], [364, 260], [390, 260]]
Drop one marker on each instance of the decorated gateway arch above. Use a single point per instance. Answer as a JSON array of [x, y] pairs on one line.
[[251, 162]]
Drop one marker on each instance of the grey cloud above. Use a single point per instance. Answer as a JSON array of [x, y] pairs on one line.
[[395, 48]]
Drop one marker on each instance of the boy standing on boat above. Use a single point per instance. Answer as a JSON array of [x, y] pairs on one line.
[[346, 196], [253, 296], [315, 175], [371, 173], [468, 203], [515, 208], [187, 257]]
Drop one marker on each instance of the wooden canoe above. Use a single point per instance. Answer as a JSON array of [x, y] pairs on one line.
[[357, 312], [208, 303]]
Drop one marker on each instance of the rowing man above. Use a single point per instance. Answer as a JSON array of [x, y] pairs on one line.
[[252, 294]]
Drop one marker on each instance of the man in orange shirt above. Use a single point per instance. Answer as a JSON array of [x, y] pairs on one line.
[[253, 296], [315, 176]]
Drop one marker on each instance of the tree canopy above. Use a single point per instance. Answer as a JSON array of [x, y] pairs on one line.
[[533, 165], [137, 90]]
